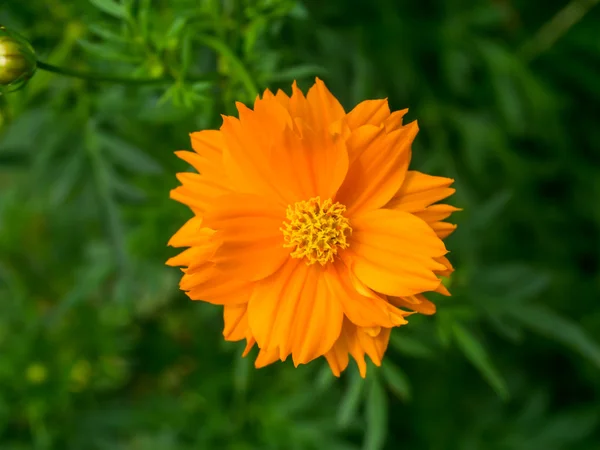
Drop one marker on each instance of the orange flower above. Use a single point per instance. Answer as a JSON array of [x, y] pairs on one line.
[[309, 228]]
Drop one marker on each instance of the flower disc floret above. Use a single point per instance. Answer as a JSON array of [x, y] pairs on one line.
[[316, 230]]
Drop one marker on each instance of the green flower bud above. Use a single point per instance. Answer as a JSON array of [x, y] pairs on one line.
[[17, 61]]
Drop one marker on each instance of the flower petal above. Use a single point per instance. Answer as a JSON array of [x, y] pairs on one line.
[[209, 144], [362, 307], [434, 216], [378, 171], [248, 228], [266, 357], [247, 158], [207, 283], [357, 341], [283, 99], [446, 262], [236, 322], [263, 124], [394, 252], [337, 357], [418, 303], [324, 108], [394, 121], [372, 112], [419, 191], [293, 311], [198, 191], [374, 346], [308, 164], [192, 234], [443, 229], [189, 256], [436, 213]]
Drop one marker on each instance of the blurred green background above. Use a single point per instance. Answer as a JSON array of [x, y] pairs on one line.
[[98, 348]]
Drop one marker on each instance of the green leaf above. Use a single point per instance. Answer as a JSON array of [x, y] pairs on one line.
[[547, 323], [124, 190], [397, 380], [376, 417], [127, 155], [108, 51], [143, 10], [69, 176], [408, 345], [477, 355], [444, 328], [489, 211], [351, 400], [186, 53], [108, 35], [176, 27], [241, 374], [89, 280], [324, 378], [102, 186], [297, 73], [566, 430], [111, 8], [237, 66]]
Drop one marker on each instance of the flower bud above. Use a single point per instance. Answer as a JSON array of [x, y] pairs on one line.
[[17, 60]]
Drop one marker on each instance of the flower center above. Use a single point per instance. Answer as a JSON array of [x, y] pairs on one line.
[[316, 230]]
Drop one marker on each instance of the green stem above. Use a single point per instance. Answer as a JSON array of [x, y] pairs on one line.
[[553, 30], [116, 79]]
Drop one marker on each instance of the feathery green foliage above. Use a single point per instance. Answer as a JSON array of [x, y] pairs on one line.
[[98, 348]]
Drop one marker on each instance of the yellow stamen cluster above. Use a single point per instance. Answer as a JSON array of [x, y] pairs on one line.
[[316, 230]]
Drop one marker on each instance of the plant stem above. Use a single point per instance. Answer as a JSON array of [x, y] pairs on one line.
[[553, 30], [106, 78]]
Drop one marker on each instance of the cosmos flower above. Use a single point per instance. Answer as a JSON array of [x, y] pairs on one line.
[[309, 229]]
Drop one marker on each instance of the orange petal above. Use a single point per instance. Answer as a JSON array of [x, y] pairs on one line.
[[394, 252], [236, 322], [248, 228], [283, 99], [368, 310], [378, 171], [191, 256], [416, 303], [308, 165], [263, 124], [372, 112], [247, 159], [293, 311], [394, 121], [324, 109], [374, 346], [436, 213], [209, 144], [443, 229], [198, 191], [361, 138], [419, 191], [266, 357], [192, 234], [441, 289], [337, 357], [267, 95], [446, 262], [357, 341], [209, 284], [250, 341]]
